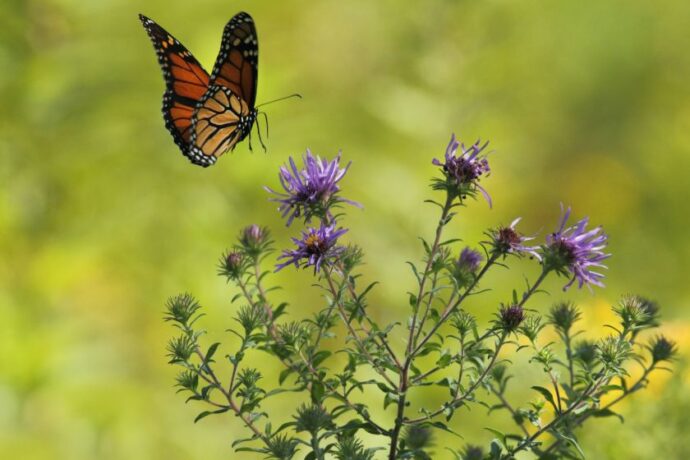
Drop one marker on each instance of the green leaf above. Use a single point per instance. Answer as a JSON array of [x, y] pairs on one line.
[[607, 413], [547, 395], [211, 351], [284, 374], [207, 413]]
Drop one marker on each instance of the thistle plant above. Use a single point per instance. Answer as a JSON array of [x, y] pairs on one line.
[[354, 376]]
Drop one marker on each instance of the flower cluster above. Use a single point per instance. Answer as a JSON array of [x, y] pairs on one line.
[[312, 192], [444, 349]]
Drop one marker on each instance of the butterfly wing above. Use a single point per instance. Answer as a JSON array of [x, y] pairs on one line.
[[236, 66], [221, 120], [186, 82], [225, 114]]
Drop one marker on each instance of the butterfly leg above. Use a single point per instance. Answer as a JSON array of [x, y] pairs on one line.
[[258, 130]]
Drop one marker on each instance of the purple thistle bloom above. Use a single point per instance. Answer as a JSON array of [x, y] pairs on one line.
[[312, 190], [465, 170], [469, 260], [507, 240], [578, 250], [314, 248]]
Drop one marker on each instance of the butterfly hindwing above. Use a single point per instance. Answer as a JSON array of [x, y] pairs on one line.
[[186, 82], [221, 120]]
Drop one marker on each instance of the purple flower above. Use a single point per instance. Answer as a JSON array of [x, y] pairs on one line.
[[507, 240], [464, 171], [469, 260], [575, 251], [316, 247], [312, 190], [465, 267]]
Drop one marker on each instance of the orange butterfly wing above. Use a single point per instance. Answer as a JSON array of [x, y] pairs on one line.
[[225, 114], [236, 66], [186, 82], [219, 123]]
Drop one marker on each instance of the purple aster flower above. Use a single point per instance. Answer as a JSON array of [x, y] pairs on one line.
[[465, 267], [469, 260], [507, 240], [463, 171], [312, 190], [316, 247], [575, 251]]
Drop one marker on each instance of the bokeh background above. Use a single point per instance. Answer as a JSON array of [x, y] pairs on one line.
[[101, 218]]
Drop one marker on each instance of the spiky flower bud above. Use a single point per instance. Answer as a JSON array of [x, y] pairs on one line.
[[511, 316], [612, 351], [181, 309], [180, 349], [473, 452], [418, 437], [531, 327], [253, 240], [232, 265], [585, 352], [464, 323], [631, 312], [563, 316], [662, 349], [312, 419]]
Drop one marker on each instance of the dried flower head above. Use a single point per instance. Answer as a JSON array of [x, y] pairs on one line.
[[574, 251], [511, 316], [316, 247], [312, 190], [507, 240], [462, 172]]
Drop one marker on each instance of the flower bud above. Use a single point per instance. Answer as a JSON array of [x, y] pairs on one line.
[[586, 352], [662, 349], [252, 239], [232, 265], [563, 315], [511, 317], [464, 270]]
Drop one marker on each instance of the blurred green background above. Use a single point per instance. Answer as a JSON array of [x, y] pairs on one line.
[[101, 218]]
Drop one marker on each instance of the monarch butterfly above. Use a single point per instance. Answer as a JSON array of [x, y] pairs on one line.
[[208, 115]]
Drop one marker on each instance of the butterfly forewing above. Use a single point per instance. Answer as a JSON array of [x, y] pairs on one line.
[[236, 66], [186, 82]]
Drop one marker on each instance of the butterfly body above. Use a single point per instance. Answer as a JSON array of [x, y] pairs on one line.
[[207, 115]]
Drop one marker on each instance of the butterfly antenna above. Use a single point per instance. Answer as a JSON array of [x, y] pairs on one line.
[[280, 99]]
